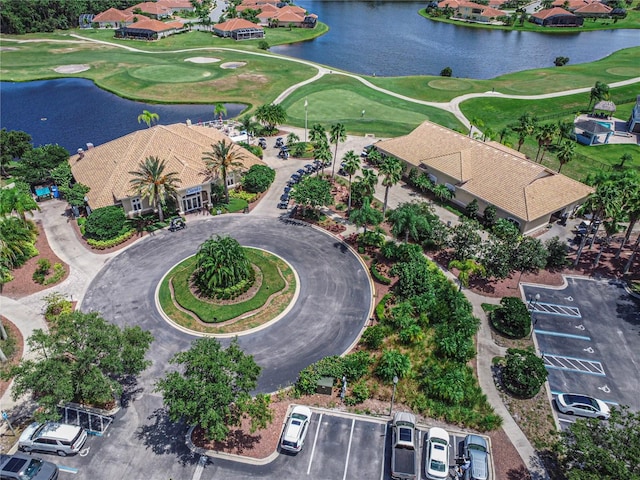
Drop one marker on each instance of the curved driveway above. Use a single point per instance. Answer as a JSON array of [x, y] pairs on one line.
[[332, 307]]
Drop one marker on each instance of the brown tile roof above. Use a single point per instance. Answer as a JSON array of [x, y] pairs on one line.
[[450, 3], [551, 12], [236, 24], [492, 12], [488, 171], [105, 168], [184, 4], [155, 25], [150, 7], [285, 15], [571, 5], [594, 7], [112, 15]]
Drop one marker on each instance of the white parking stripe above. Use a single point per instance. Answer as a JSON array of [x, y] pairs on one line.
[[202, 461], [346, 465], [315, 440], [384, 452]]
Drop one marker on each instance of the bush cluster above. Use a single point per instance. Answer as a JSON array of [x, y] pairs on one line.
[[523, 372], [229, 293], [106, 223], [512, 318], [42, 270], [104, 244], [258, 179], [353, 366], [378, 276]]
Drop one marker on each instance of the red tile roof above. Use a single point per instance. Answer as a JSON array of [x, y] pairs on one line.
[[595, 7], [492, 12], [551, 12], [156, 25], [112, 15], [150, 7], [236, 24]]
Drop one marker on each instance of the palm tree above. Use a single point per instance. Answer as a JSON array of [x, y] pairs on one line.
[[407, 220], [219, 162], [391, 170], [148, 117], [525, 127], [544, 135], [16, 242], [442, 192], [369, 179], [221, 263], [611, 227], [366, 215], [318, 135], [337, 134], [477, 123], [292, 138], [565, 129], [271, 115], [150, 181], [351, 166], [566, 153], [599, 92], [466, 268], [630, 186], [248, 124], [625, 158], [321, 153], [14, 200], [219, 111]]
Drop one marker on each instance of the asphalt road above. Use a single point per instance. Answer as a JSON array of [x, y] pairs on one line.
[[589, 333]]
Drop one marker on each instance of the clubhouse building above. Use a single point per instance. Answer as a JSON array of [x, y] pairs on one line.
[[105, 168], [523, 192]]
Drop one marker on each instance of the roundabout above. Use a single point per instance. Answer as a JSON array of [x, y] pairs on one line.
[[326, 316]]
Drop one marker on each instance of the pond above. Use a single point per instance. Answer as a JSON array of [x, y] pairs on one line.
[[73, 112]]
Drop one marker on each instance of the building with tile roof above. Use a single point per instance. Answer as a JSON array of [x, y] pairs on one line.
[[174, 6], [239, 29], [153, 9], [594, 10], [556, 17], [113, 18], [570, 5], [149, 29], [522, 191], [105, 168]]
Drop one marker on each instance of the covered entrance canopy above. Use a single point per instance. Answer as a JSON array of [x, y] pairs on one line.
[[592, 132]]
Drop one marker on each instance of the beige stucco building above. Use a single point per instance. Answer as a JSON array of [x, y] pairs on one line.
[[522, 191], [105, 168]]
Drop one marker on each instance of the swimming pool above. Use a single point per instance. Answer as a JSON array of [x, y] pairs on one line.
[[608, 125]]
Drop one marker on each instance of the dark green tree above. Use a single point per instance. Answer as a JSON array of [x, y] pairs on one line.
[[337, 134], [351, 166], [106, 223], [512, 317], [391, 171], [523, 372], [529, 256], [258, 178], [557, 251], [366, 216], [271, 116], [595, 450], [213, 388], [151, 181], [393, 363], [220, 161], [446, 72], [472, 209], [465, 240], [82, 359], [312, 192], [489, 216], [36, 164]]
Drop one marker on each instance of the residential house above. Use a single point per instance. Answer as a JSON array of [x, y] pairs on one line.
[[570, 5], [633, 125], [478, 13], [594, 10], [524, 192], [176, 6], [149, 29], [556, 17], [114, 18], [105, 169], [155, 10], [239, 29]]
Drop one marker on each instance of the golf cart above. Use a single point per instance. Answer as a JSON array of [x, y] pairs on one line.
[[176, 223]]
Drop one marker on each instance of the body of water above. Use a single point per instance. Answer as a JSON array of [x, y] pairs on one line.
[[73, 112], [391, 39]]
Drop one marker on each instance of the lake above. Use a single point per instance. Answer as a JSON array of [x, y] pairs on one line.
[[73, 112], [391, 39]]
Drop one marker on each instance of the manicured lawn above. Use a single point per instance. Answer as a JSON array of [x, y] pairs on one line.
[[272, 282], [336, 98]]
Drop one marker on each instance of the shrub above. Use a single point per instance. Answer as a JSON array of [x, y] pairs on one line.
[[258, 179], [393, 363], [378, 276], [356, 365], [248, 197], [254, 149], [381, 307], [505, 230], [523, 372], [512, 318], [56, 304], [44, 266], [104, 244], [489, 216], [58, 273], [359, 393], [471, 209], [557, 251], [411, 334], [106, 223], [373, 337], [454, 344]]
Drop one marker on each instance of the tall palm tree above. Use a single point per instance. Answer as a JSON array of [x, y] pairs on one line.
[[466, 268], [351, 166], [391, 171], [14, 200], [220, 161], [369, 179], [525, 127], [317, 134], [630, 186], [566, 153], [292, 138], [248, 124], [337, 134], [220, 110], [321, 153], [366, 215], [442, 192], [148, 117], [544, 135], [611, 227], [407, 220], [150, 181], [599, 92], [16, 241]]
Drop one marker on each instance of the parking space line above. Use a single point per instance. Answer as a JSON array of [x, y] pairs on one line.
[[581, 365], [559, 334], [555, 309], [565, 420], [346, 465], [384, 452], [315, 440], [62, 468]]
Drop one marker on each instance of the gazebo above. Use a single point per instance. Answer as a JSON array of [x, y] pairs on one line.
[[604, 108], [590, 132]]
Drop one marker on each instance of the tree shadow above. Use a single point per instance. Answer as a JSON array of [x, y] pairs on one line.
[[165, 437], [237, 442]]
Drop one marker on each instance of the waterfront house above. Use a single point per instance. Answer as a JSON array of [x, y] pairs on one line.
[[633, 125], [556, 17], [570, 5], [114, 18], [524, 192], [478, 13], [594, 10], [149, 29], [238, 29], [105, 168]]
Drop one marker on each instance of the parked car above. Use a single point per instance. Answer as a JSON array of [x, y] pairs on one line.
[[279, 142], [53, 437], [309, 168], [25, 467], [284, 197], [283, 205], [296, 177], [436, 466], [301, 172], [587, 226], [296, 429], [583, 405], [476, 449], [262, 142], [287, 189]]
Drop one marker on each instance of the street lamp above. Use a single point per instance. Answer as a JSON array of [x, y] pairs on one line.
[[393, 395], [306, 104], [533, 301]]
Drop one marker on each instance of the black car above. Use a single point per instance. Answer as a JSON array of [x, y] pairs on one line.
[[284, 197], [262, 142], [287, 189], [283, 154], [301, 171], [296, 177], [279, 142], [309, 168]]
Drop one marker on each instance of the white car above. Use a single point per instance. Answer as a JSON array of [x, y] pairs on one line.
[[583, 405], [53, 437], [437, 445], [295, 429]]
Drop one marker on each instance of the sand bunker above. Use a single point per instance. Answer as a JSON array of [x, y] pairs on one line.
[[71, 68], [233, 65], [202, 60], [8, 49]]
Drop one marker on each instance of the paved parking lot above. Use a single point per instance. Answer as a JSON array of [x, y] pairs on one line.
[[589, 336]]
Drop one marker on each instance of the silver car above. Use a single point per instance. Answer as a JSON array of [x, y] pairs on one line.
[[53, 438], [477, 451], [584, 405], [25, 467]]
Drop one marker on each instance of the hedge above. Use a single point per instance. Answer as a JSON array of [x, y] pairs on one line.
[[381, 307], [104, 244], [378, 276]]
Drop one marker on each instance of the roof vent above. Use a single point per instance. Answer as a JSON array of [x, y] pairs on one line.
[[80, 154], [89, 146]]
